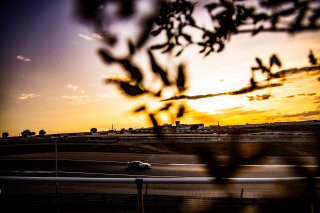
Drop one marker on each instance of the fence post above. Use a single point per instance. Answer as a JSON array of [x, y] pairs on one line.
[[139, 182]]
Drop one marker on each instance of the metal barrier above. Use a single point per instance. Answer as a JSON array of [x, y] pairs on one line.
[[183, 180], [140, 181]]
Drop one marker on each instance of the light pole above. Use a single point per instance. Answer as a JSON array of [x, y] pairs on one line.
[[56, 160]]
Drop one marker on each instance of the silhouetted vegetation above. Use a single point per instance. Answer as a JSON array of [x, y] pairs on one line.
[[5, 134], [26, 133], [42, 132], [174, 22], [93, 130]]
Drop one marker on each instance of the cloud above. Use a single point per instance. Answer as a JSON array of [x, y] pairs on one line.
[[301, 94], [72, 86], [78, 99], [255, 86], [228, 115], [86, 37], [317, 99], [93, 36], [303, 114], [308, 94], [96, 36], [289, 96], [25, 96], [259, 97], [82, 99], [23, 58], [236, 111], [243, 90]]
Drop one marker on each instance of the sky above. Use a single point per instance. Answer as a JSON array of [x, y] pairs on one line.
[[51, 77]]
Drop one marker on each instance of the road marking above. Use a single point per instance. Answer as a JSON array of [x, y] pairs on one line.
[[91, 173]]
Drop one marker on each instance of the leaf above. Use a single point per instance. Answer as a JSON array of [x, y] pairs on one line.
[[158, 94], [181, 111], [170, 46], [187, 37], [312, 58], [159, 20], [110, 40], [157, 69], [221, 47], [275, 60], [191, 21], [287, 12], [139, 109], [166, 107], [203, 49], [179, 53], [208, 53], [181, 78], [299, 18], [105, 55], [211, 6], [158, 46], [133, 70], [156, 32], [147, 26], [256, 31], [132, 48], [156, 127], [132, 90], [258, 60], [208, 157], [255, 68]]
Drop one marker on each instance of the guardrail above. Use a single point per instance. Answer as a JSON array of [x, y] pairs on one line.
[[140, 181], [183, 180]]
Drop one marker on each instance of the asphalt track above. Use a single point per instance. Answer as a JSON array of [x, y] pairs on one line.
[[163, 166], [19, 196]]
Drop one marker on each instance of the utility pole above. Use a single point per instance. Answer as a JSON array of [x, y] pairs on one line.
[[56, 161], [218, 131], [139, 183]]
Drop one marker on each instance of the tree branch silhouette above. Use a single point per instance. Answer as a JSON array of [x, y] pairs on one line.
[[174, 22], [253, 86]]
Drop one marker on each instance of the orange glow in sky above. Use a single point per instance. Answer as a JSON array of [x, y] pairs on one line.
[[51, 77]]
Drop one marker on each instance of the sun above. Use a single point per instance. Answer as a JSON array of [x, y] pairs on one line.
[[216, 104]]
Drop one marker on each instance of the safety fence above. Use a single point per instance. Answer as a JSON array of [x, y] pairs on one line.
[[178, 180]]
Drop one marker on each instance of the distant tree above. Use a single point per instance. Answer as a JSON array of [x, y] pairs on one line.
[[122, 130], [26, 133], [93, 130], [134, 132], [42, 132], [194, 127], [5, 134]]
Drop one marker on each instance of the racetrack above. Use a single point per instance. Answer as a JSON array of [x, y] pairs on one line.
[[102, 159], [163, 165]]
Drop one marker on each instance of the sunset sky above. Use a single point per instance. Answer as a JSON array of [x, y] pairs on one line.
[[51, 77]]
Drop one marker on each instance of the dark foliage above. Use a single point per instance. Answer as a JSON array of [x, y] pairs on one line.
[[5, 134], [173, 21], [42, 132], [26, 133], [93, 130]]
